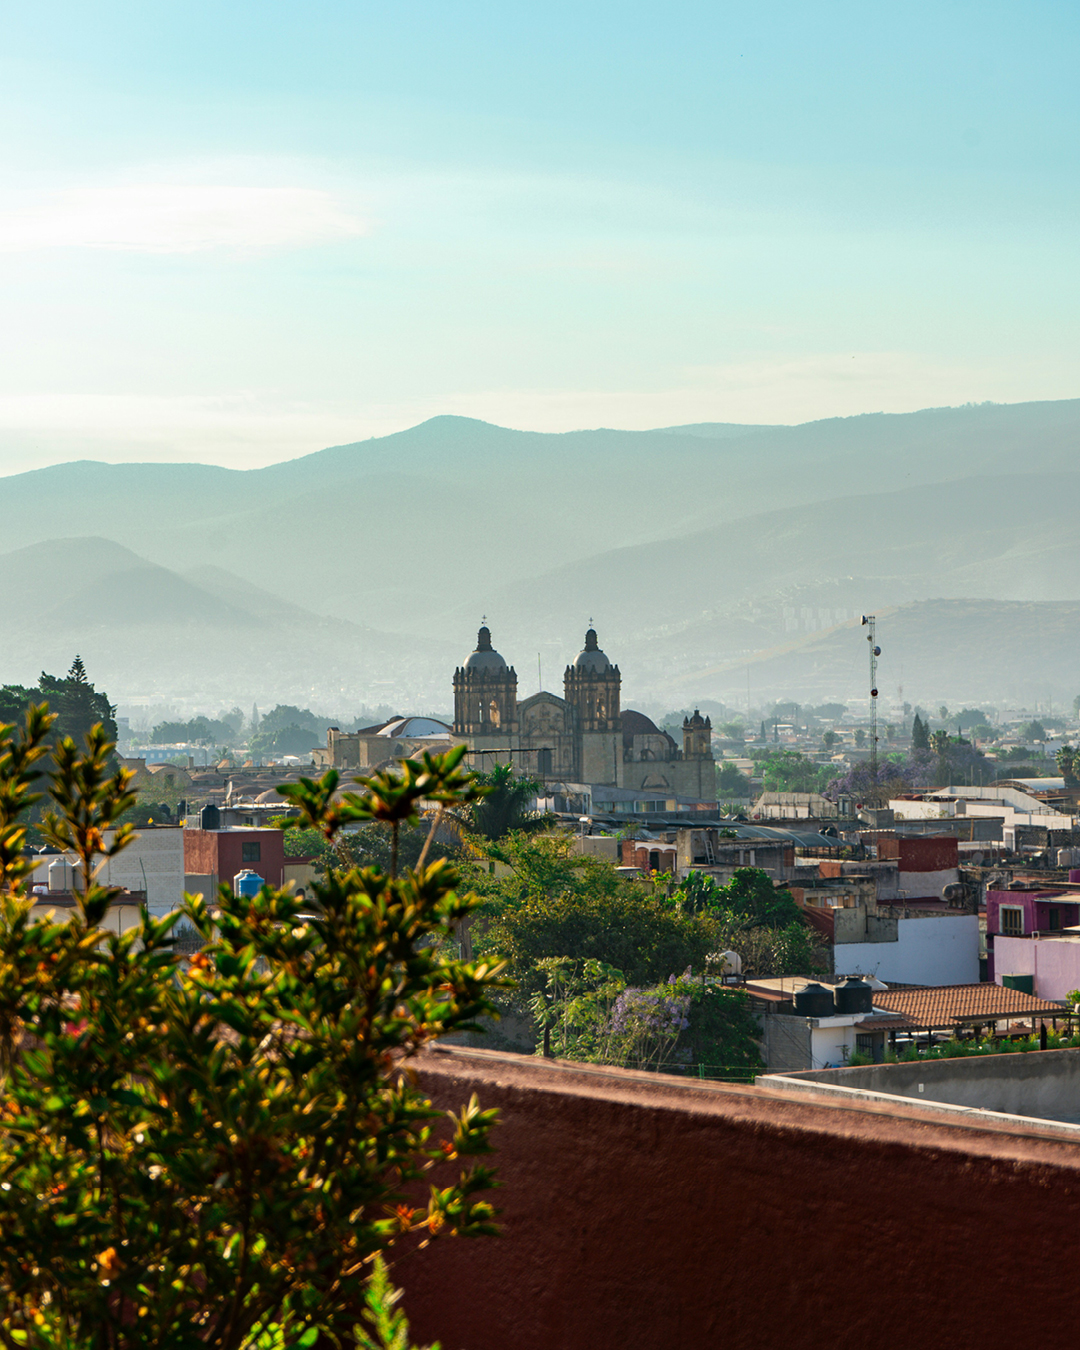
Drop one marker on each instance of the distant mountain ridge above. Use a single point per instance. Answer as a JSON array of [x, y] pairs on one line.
[[692, 546]]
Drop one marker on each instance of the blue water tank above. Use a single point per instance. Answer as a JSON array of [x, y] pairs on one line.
[[247, 883]]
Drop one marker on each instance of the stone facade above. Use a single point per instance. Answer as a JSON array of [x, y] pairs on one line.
[[584, 737]]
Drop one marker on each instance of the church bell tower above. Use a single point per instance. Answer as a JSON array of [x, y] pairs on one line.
[[485, 696], [592, 689]]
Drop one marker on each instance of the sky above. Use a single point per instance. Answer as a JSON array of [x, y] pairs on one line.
[[238, 232]]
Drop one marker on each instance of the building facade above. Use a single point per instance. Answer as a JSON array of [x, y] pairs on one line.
[[584, 737]]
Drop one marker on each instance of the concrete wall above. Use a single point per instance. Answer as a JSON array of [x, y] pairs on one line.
[[1055, 963], [1041, 1084], [942, 949], [785, 1042], [926, 885], [639, 1213], [153, 862]]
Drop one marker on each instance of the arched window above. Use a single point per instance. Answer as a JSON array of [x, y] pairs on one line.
[[493, 709]]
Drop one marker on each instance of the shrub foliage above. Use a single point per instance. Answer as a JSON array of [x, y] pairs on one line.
[[213, 1152]]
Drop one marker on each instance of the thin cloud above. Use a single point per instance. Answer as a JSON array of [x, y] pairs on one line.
[[166, 218]]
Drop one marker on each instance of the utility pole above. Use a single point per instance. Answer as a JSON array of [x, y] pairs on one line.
[[870, 622]]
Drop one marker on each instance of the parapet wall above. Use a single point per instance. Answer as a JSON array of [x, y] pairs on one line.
[[645, 1213], [1038, 1084]]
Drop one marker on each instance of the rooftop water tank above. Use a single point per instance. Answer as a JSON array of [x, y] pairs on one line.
[[61, 876], [247, 883], [210, 818], [814, 1000], [730, 963], [854, 996]]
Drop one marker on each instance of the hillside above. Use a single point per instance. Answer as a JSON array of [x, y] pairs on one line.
[[365, 567], [147, 632], [467, 493]]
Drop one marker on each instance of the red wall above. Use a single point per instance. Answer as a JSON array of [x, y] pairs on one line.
[[220, 852], [929, 855], [643, 1214]]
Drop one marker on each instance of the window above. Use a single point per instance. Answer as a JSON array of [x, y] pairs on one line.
[[1012, 921], [250, 852]]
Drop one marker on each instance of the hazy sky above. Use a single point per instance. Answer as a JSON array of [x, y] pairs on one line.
[[237, 232]]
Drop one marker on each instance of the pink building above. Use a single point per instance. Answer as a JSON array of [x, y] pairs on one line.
[[1054, 963], [1020, 913]]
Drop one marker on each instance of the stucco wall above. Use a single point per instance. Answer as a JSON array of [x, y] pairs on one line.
[[943, 949], [1055, 963], [1043, 1085], [642, 1214]]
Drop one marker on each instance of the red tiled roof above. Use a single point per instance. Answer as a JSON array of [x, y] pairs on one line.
[[952, 1003]]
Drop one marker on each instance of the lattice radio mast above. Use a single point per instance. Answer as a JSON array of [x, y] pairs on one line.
[[870, 622]]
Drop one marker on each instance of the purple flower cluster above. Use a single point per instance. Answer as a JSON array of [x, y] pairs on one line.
[[640, 1012]]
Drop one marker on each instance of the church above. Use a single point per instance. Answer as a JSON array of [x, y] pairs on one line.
[[585, 736]]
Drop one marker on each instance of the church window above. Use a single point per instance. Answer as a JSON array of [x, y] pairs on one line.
[[494, 710]]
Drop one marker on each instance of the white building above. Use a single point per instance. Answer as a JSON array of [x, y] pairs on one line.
[[153, 862]]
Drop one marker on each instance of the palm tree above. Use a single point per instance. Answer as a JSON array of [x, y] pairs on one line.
[[939, 741], [504, 807], [1068, 761]]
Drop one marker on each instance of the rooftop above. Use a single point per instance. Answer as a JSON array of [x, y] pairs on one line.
[[949, 1004]]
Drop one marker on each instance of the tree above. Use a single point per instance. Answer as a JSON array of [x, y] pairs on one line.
[[860, 737], [939, 743], [587, 1011], [552, 902], [290, 740], [830, 739], [920, 734], [1068, 761], [505, 803], [1032, 731], [210, 1153], [789, 771], [76, 704], [730, 781]]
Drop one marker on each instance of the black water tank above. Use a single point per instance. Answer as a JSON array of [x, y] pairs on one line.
[[210, 818], [815, 1001], [854, 996]]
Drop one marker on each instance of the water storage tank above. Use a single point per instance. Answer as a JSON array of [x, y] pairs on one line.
[[730, 963], [854, 996], [815, 1001], [61, 876], [210, 818], [247, 882]]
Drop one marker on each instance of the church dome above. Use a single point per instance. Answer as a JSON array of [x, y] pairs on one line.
[[485, 657], [592, 658]]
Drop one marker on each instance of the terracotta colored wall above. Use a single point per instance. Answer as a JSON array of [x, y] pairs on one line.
[[220, 852], [933, 854], [642, 1214]]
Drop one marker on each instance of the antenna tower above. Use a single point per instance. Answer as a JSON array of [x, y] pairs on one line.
[[870, 622]]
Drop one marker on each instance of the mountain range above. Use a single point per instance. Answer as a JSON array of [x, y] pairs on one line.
[[359, 573]]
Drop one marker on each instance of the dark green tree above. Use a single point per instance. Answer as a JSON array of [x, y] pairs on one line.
[[920, 734], [505, 804], [730, 781]]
